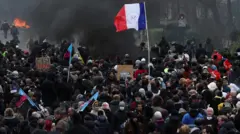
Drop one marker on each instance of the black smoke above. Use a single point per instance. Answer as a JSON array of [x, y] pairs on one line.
[[60, 19]]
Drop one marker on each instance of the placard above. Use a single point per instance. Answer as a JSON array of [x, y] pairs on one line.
[[124, 70], [43, 63]]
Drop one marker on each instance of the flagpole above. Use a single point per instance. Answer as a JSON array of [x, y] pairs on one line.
[[68, 73], [148, 44]]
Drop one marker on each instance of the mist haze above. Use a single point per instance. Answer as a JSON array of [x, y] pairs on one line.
[[92, 20]]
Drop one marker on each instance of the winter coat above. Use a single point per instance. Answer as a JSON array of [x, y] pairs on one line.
[[78, 129], [213, 122], [159, 125], [11, 122], [103, 125], [188, 120], [64, 91], [109, 115], [48, 92], [226, 127], [139, 72], [129, 128], [114, 105], [90, 124], [119, 118]]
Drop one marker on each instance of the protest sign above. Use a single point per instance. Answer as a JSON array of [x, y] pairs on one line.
[[124, 71], [43, 63]]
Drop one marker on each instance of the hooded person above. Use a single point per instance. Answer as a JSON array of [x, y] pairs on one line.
[[157, 121], [95, 108], [90, 124], [10, 120], [107, 110], [102, 123], [119, 117]]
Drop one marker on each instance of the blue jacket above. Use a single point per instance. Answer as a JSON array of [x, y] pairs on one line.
[[188, 120]]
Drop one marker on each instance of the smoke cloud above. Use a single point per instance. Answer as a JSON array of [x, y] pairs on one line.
[[92, 20]]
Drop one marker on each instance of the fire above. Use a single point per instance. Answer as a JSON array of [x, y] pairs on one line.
[[20, 23]]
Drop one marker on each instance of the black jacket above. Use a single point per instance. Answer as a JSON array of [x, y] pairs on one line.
[[119, 118], [226, 127], [103, 125], [78, 129]]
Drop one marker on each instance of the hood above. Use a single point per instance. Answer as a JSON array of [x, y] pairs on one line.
[[228, 125], [114, 102]]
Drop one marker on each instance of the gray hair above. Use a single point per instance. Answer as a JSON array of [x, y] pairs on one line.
[[60, 110]]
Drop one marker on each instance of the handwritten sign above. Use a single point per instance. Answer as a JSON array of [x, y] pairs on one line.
[[124, 71], [43, 63]]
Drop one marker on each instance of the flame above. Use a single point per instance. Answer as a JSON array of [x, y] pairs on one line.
[[20, 23]]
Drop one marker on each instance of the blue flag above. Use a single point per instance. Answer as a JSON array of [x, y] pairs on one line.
[[22, 93], [70, 51], [94, 97]]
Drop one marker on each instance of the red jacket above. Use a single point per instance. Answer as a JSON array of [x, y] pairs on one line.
[[214, 73], [139, 72], [218, 59], [227, 64]]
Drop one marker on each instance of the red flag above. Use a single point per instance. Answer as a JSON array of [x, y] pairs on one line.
[[214, 73], [21, 101], [227, 64], [217, 57]]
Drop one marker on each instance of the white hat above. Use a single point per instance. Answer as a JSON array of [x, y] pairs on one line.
[[157, 115], [137, 62], [212, 86], [15, 72], [143, 60], [142, 91]]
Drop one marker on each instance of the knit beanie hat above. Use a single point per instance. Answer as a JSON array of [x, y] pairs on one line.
[[157, 115], [122, 104], [142, 91], [105, 105]]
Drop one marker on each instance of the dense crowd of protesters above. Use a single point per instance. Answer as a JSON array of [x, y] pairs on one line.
[[179, 96]]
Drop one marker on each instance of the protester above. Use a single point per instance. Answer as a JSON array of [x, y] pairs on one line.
[[77, 93]]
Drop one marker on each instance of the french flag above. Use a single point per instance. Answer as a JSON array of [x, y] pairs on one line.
[[131, 16]]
